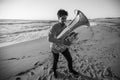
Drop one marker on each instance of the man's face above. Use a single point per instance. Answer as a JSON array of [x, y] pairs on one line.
[[62, 19]]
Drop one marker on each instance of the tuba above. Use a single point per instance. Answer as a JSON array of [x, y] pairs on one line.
[[79, 20]]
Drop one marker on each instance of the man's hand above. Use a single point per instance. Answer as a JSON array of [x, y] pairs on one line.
[[60, 42], [67, 42], [69, 39]]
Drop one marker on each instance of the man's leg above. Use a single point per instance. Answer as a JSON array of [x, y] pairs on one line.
[[55, 60], [68, 57]]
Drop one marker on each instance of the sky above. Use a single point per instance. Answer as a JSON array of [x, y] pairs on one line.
[[47, 9]]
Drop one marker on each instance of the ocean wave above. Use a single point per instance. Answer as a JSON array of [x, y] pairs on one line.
[[22, 37]]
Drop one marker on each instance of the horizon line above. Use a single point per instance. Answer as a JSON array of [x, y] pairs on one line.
[[51, 19]]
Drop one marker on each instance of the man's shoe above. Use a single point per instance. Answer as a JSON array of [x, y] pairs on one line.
[[55, 74], [74, 73]]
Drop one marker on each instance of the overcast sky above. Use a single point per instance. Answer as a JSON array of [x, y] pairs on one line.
[[47, 9]]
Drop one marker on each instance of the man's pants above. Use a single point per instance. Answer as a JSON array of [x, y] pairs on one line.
[[68, 57]]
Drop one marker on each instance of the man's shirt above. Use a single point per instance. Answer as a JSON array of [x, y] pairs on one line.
[[53, 33]]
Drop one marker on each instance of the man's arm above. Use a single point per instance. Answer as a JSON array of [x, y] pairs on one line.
[[52, 36]]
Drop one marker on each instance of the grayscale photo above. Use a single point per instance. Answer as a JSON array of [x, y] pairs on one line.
[[59, 40]]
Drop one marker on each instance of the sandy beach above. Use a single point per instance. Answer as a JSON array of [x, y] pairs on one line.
[[22, 56], [96, 54]]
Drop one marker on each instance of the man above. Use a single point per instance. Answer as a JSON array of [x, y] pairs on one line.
[[59, 46]]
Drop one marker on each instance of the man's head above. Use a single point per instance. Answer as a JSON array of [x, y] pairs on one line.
[[62, 15]]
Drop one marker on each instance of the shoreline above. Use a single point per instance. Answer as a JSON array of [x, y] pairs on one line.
[[13, 43]]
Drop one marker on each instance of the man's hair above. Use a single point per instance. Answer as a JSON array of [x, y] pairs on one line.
[[62, 12]]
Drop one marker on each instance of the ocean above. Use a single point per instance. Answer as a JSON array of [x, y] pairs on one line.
[[14, 31]]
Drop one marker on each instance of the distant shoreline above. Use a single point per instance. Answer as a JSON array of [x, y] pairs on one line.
[[13, 43]]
